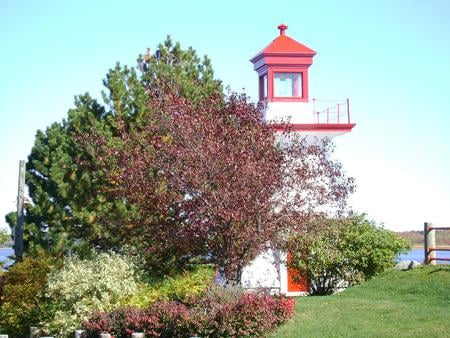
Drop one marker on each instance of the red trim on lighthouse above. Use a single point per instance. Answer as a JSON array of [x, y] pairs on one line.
[[304, 79], [316, 127]]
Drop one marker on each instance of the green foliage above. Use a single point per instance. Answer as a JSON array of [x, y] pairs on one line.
[[72, 210], [22, 302], [181, 69], [82, 287], [189, 284], [5, 237], [145, 296], [184, 287], [58, 295], [344, 251], [66, 202]]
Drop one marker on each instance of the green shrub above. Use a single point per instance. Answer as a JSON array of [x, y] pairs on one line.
[[58, 300], [5, 237], [189, 285], [144, 296], [344, 251], [82, 287], [22, 302], [183, 287]]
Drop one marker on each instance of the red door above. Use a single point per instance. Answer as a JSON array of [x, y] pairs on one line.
[[296, 282]]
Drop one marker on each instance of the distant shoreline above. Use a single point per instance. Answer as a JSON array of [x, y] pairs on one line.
[[422, 247]]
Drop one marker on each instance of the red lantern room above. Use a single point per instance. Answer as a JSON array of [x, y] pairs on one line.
[[282, 69]]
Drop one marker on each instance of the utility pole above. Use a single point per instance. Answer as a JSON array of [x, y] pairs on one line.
[[18, 233]]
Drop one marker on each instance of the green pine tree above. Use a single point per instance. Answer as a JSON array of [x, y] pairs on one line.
[[71, 209]]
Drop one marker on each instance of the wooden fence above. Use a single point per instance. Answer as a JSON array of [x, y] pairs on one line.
[[429, 232]]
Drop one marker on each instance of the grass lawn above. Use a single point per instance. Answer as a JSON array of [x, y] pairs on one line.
[[413, 303]]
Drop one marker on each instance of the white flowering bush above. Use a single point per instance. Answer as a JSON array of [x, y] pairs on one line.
[[82, 287]]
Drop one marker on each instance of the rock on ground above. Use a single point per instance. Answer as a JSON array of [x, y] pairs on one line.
[[407, 265]]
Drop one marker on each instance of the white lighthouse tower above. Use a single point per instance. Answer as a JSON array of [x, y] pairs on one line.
[[282, 69]]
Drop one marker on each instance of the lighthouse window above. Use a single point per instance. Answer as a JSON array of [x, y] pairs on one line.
[[263, 87], [288, 85]]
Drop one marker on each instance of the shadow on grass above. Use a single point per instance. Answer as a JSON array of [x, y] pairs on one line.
[[441, 268]]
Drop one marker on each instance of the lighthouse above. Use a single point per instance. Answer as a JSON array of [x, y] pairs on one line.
[[283, 85], [283, 79]]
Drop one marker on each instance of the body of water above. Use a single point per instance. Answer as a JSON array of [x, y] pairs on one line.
[[4, 253], [419, 256]]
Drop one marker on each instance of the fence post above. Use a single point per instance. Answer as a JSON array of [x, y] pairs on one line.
[[79, 333], [430, 244], [425, 243], [34, 332], [3, 336]]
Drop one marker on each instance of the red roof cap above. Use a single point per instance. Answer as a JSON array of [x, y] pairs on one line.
[[283, 44], [282, 28]]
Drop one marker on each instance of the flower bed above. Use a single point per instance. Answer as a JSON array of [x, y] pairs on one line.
[[215, 315]]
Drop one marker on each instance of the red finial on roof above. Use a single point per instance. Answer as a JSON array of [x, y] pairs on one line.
[[282, 28]]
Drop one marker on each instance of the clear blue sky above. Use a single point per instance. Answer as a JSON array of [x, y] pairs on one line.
[[391, 58]]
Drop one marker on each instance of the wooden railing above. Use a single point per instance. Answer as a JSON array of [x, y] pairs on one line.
[[429, 232]]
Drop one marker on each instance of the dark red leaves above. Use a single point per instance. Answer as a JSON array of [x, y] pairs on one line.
[[209, 179]]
